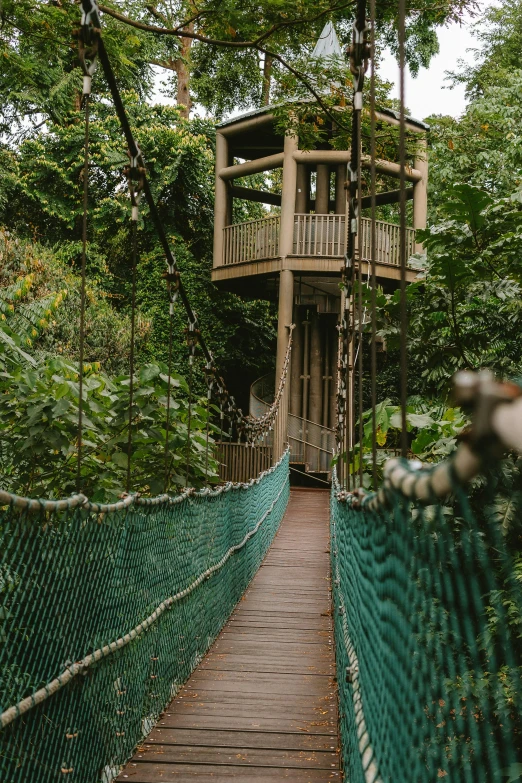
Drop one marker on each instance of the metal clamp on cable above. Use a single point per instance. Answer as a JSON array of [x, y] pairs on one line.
[[173, 280], [192, 336], [359, 53], [135, 174], [88, 36]]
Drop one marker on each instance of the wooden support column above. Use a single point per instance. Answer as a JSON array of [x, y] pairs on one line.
[[221, 199], [316, 372], [306, 366], [420, 190], [286, 246], [334, 350], [322, 192], [340, 192], [284, 318], [302, 194], [296, 384], [326, 372]]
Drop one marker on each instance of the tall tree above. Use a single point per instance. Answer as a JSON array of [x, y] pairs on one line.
[[274, 35]]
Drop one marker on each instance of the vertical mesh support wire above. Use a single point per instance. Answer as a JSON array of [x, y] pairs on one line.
[[427, 644], [73, 582]]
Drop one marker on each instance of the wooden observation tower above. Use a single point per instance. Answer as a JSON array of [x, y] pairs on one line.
[[295, 253]]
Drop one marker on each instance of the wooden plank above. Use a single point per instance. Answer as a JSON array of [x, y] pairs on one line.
[[277, 665], [262, 706], [136, 772], [259, 724], [319, 714], [237, 755], [245, 739], [248, 700]]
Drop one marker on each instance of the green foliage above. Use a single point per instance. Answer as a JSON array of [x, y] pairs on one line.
[[39, 307], [40, 79], [433, 429], [39, 422], [24, 315], [39, 340], [465, 309], [225, 83], [499, 34], [483, 147], [44, 196]]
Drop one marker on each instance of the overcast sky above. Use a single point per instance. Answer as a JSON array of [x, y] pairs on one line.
[[429, 93]]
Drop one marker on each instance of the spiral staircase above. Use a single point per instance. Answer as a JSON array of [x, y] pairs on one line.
[[311, 445]]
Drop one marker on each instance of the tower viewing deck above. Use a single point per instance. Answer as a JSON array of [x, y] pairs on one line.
[[294, 253], [306, 230]]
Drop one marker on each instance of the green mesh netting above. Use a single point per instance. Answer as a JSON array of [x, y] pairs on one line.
[[428, 622], [73, 582]]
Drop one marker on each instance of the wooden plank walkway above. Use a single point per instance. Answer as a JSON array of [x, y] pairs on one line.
[[262, 705]]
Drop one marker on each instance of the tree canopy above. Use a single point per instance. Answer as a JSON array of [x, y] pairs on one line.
[[224, 56]]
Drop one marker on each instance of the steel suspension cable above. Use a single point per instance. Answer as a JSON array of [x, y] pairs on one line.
[[373, 243], [192, 341], [358, 66], [91, 12], [134, 240], [402, 228], [82, 294], [87, 53], [134, 175], [360, 319], [169, 390]]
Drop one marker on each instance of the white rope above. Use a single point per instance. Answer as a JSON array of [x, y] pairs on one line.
[[80, 501], [497, 422]]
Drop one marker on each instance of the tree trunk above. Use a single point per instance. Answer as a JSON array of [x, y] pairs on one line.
[[267, 77], [182, 66]]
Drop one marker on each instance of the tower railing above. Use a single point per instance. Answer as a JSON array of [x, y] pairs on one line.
[[252, 240], [319, 235], [387, 242], [315, 236]]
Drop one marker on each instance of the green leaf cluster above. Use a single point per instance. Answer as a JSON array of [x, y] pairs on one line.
[[39, 423]]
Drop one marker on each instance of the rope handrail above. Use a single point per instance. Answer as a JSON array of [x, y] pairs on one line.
[[82, 502], [497, 423], [56, 684], [370, 767], [291, 415]]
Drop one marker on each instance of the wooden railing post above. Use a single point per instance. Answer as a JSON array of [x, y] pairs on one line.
[[221, 199]]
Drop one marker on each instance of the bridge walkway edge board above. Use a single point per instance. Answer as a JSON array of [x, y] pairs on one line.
[[262, 705]]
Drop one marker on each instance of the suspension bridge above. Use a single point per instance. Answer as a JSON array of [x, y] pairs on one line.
[[251, 631]]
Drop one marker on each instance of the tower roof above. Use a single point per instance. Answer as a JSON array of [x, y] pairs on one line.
[[328, 44]]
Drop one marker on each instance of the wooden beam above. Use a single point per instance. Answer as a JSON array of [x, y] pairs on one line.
[[342, 156], [322, 156], [389, 197], [261, 196], [248, 124], [221, 199], [252, 167], [299, 265], [392, 169], [390, 120]]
